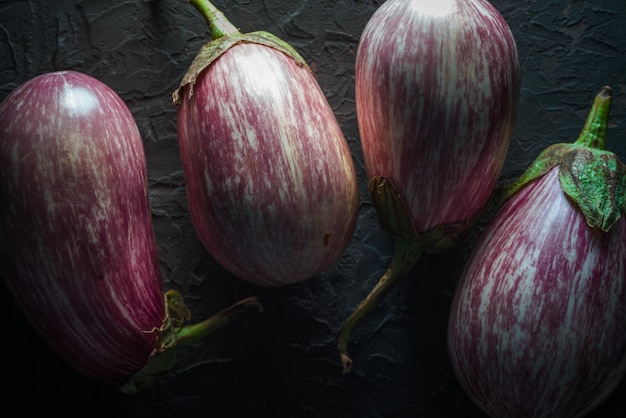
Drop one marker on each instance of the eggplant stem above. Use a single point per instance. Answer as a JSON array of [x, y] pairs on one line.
[[219, 26], [406, 255], [191, 333], [593, 134], [163, 357]]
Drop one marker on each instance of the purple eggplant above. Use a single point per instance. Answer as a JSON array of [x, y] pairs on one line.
[[270, 181], [437, 89], [77, 248], [538, 321]]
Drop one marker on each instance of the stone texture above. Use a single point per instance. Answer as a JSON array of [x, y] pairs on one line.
[[284, 362]]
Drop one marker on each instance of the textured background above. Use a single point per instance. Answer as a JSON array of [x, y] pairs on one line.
[[283, 362]]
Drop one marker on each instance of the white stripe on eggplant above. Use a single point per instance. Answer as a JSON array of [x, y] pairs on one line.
[[282, 141], [423, 47], [76, 196], [551, 310]]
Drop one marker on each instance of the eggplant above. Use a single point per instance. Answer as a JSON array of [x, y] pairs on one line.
[[537, 326], [437, 90], [77, 247], [270, 180]]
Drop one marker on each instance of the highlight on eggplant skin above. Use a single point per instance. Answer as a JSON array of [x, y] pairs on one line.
[[536, 326], [437, 87], [77, 248], [270, 180], [436, 105]]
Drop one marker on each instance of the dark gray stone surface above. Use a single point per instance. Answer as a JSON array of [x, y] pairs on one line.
[[283, 362]]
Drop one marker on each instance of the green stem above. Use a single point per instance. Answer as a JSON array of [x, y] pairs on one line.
[[593, 134], [171, 337], [191, 333], [219, 26], [405, 257]]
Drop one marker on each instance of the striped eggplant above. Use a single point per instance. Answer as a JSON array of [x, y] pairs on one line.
[[77, 248], [538, 322], [437, 89], [269, 176]]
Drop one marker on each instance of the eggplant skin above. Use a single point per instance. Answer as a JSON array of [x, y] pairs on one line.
[[271, 185], [437, 90], [538, 322], [77, 248]]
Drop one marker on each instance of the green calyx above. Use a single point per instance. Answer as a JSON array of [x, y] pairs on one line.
[[226, 36], [596, 181], [174, 333], [163, 357], [593, 178], [395, 218]]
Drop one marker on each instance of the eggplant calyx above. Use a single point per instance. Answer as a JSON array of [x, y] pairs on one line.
[[592, 136], [549, 158], [596, 181], [223, 40], [163, 357], [211, 51], [391, 209], [395, 218], [173, 334], [593, 178]]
